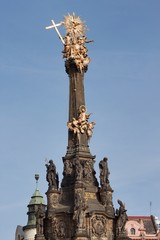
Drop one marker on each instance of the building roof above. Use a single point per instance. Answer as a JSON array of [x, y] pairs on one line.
[[147, 223], [36, 198]]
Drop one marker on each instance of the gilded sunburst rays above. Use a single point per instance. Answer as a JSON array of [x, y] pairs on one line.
[[74, 25]]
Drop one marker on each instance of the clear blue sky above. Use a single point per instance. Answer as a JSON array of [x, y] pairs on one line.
[[122, 88]]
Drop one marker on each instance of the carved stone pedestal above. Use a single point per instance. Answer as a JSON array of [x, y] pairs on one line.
[[52, 197], [81, 238], [39, 237], [81, 235]]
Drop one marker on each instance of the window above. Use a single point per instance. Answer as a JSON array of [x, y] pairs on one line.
[[132, 231]]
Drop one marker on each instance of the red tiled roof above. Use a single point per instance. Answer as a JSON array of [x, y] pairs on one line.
[[139, 217]]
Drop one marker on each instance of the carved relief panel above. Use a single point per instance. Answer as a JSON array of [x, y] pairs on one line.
[[61, 228], [101, 228], [98, 226]]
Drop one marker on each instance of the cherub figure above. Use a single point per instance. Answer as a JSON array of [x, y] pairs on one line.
[[90, 126], [67, 46]]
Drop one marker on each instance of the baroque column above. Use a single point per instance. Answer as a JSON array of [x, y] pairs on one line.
[[79, 209]]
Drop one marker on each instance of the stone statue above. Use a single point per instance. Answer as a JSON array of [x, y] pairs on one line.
[[104, 172], [74, 41], [78, 170], [39, 219], [88, 171], [61, 229], [79, 209], [121, 218], [51, 175], [67, 167]]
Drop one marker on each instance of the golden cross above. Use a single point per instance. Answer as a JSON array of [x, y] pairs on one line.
[[55, 27]]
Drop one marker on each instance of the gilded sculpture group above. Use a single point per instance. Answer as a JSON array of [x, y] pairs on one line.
[[75, 49], [81, 124], [74, 41]]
